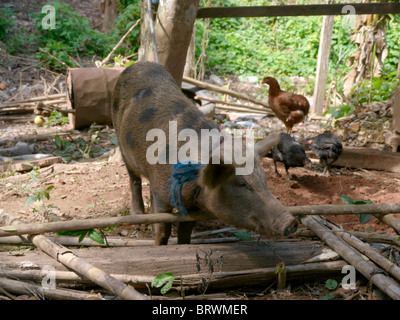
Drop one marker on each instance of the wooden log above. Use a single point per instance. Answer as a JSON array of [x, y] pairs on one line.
[[36, 228], [38, 137], [21, 165], [366, 249], [41, 292], [296, 10], [362, 158], [353, 257], [208, 86]]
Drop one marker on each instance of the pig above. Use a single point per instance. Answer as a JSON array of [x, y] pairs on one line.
[[147, 97]]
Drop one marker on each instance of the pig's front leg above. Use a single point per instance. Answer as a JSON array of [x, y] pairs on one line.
[[163, 230]]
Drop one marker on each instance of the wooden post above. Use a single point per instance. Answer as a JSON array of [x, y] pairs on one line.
[[322, 66], [173, 31]]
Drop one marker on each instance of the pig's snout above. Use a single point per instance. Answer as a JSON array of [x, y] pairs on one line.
[[291, 228]]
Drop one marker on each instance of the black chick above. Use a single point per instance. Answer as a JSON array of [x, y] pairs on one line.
[[327, 146], [291, 153]]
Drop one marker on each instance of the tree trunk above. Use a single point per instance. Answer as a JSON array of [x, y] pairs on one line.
[[173, 29]]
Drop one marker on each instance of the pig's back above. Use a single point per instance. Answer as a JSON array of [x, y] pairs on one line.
[[146, 97]]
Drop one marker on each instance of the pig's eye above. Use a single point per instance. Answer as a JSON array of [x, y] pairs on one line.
[[242, 183]]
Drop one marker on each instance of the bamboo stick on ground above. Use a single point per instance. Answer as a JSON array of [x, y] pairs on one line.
[[391, 221], [365, 236], [353, 257], [98, 276], [70, 260], [194, 216], [111, 241], [72, 277], [41, 292], [34, 99], [367, 250]]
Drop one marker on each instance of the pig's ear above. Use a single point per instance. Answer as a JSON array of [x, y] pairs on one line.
[[214, 175], [263, 147]]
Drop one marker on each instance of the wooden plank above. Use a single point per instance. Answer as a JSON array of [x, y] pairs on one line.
[[362, 158], [296, 10], [21, 165], [324, 52], [178, 259]]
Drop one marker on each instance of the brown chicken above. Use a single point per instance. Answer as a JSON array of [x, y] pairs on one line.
[[290, 108]]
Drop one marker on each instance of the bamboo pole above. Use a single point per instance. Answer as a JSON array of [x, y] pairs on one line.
[[41, 292], [37, 228], [234, 104], [391, 221], [353, 257], [232, 93], [365, 236], [98, 276], [35, 99], [71, 277], [367, 250], [111, 241], [70, 260]]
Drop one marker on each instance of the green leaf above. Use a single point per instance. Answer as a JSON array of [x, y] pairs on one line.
[[82, 235], [346, 199], [31, 199], [95, 236], [244, 235], [365, 218], [71, 233], [160, 280], [328, 296], [331, 284]]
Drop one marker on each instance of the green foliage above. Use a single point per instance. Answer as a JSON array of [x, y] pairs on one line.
[[364, 218], [288, 46], [164, 279], [331, 284], [73, 35], [340, 111], [244, 235], [91, 233], [128, 16], [39, 194], [56, 118], [70, 149], [11, 37]]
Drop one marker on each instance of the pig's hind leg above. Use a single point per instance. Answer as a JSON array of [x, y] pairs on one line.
[[137, 205]]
